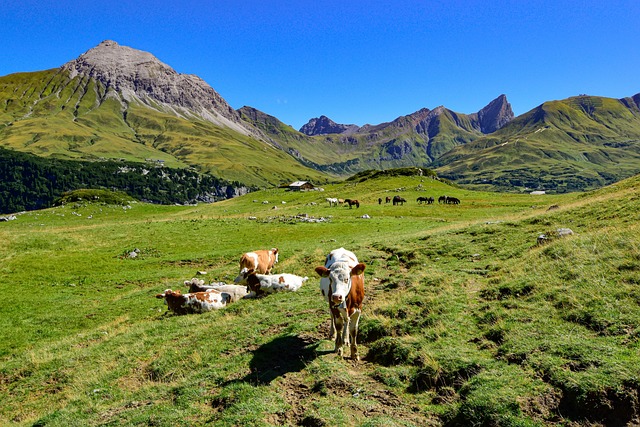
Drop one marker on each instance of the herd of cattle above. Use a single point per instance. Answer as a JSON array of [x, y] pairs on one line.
[[395, 200], [254, 280], [341, 284]]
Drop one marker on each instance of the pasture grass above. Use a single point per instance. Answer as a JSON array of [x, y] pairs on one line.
[[467, 321]]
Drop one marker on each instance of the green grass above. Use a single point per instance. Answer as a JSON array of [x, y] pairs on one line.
[[467, 320]]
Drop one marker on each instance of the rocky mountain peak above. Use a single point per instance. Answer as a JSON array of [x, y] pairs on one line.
[[138, 76], [495, 115], [324, 125]]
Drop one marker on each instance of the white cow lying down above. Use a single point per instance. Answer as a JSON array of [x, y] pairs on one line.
[[237, 292], [261, 284], [197, 302]]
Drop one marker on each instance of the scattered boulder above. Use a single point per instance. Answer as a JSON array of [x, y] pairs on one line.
[[553, 235], [134, 253]]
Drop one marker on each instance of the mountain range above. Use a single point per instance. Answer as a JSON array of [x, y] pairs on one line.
[[116, 102]]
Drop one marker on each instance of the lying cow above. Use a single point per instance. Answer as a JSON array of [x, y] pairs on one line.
[[261, 284], [261, 261], [197, 302], [342, 285], [237, 292]]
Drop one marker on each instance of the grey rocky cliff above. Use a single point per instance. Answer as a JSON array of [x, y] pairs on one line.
[[138, 76]]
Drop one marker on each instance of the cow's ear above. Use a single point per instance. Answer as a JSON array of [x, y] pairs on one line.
[[322, 271], [275, 250], [358, 269]]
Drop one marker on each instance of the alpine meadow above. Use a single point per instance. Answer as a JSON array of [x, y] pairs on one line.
[[501, 254], [467, 319]]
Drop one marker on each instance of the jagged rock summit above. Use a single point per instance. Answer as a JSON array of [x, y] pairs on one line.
[[324, 125], [495, 115], [133, 75], [489, 119]]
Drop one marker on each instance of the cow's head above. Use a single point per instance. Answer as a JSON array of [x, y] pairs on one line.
[[275, 254], [242, 277], [252, 281], [339, 275], [168, 292]]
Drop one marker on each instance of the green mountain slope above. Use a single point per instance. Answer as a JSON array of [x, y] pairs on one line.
[[115, 102], [49, 113], [578, 143]]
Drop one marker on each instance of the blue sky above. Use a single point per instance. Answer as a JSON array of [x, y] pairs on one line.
[[353, 61]]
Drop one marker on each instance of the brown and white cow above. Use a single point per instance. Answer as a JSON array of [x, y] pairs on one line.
[[261, 261], [342, 284], [260, 284], [197, 302], [236, 292]]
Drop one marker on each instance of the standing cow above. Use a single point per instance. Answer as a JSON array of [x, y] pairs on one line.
[[342, 285], [397, 200], [261, 261]]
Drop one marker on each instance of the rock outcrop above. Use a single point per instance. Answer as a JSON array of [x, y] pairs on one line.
[[495, 115]]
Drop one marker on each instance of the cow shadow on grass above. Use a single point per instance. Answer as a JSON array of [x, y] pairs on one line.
[[283, 354]]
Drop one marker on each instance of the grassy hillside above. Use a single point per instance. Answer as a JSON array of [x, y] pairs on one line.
[[467, 320], [579, 143], [48, 114]]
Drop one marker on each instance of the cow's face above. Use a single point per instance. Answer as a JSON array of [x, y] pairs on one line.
[[253, 283], [242, 277], [340, 281]]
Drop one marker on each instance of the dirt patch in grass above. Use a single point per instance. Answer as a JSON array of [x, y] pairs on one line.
[[368, 399]]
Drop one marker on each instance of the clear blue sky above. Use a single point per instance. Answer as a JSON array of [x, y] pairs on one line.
[[353, 61]]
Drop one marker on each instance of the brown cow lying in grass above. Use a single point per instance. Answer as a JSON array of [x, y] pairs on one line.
[[198, 302], [237, 292]]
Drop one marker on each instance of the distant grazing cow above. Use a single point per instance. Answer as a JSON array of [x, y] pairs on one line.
[[260, 261], [428, 200], [453, 201], [379, 200], [398, 200], [260, 284], [237, 292], [332, 201], [442, 199], [198, 302], [387, 199], [352, 202], [342, 284]]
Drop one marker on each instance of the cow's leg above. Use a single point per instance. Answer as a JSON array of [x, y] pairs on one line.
[[332, 332], [353, 333], [341, 326]]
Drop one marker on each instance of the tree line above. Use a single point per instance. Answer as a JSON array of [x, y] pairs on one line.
[[29, 182]]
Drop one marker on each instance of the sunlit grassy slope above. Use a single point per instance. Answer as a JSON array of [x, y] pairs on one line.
[[48, 114], [467, 321], [578, 143]]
